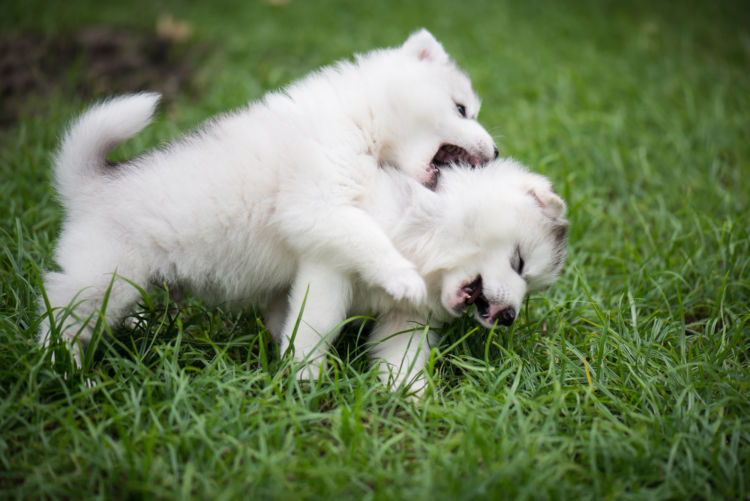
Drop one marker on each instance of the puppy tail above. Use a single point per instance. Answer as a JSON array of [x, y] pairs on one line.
[[82, 157]]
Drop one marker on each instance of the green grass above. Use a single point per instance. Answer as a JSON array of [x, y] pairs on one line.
[[629, 379]]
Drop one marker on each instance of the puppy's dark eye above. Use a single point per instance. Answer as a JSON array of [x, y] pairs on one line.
[[518, 262], [461, 109]]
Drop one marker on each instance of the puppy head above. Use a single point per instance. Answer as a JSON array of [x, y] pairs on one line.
[[426, 110], [512, 225]]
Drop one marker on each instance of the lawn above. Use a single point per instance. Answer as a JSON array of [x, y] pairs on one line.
[[629, 379]]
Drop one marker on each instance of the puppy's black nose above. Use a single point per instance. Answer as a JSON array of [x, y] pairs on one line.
[[506, 316], [497, 153]]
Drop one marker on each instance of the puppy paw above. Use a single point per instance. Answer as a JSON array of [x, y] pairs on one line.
[[407, 284], [430, 177], [310, 372], [75, 354], [398, 378]]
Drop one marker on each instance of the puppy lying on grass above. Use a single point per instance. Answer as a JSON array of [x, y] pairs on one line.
[[483, 239]]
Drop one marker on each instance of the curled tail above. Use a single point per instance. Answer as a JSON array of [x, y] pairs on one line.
[[84, 150]]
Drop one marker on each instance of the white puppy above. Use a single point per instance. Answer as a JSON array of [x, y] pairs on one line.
[[314, 147], [487, 237], [238, 233]]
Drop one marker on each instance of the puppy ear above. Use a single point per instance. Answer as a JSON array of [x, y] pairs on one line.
[[552, 206], [422, 45]]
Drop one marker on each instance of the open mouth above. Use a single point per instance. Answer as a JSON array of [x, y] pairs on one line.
[[450, 153], [472, 290], [474, 294], [483, 307]]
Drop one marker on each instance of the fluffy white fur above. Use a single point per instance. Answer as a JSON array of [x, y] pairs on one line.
[[293, 200]]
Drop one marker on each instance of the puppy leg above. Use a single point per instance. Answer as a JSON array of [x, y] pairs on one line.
[[275, 313], [401, 349], [350, 237], [319, 300], [76, 299]]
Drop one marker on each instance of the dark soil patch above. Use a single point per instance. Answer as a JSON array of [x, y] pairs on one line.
[[95, 62]]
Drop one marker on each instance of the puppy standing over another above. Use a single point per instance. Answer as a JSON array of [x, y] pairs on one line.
[[484, 238]]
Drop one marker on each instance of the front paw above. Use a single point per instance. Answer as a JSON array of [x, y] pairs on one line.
[[430, 177], [397, 377], [310, 372], [407, 284]]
